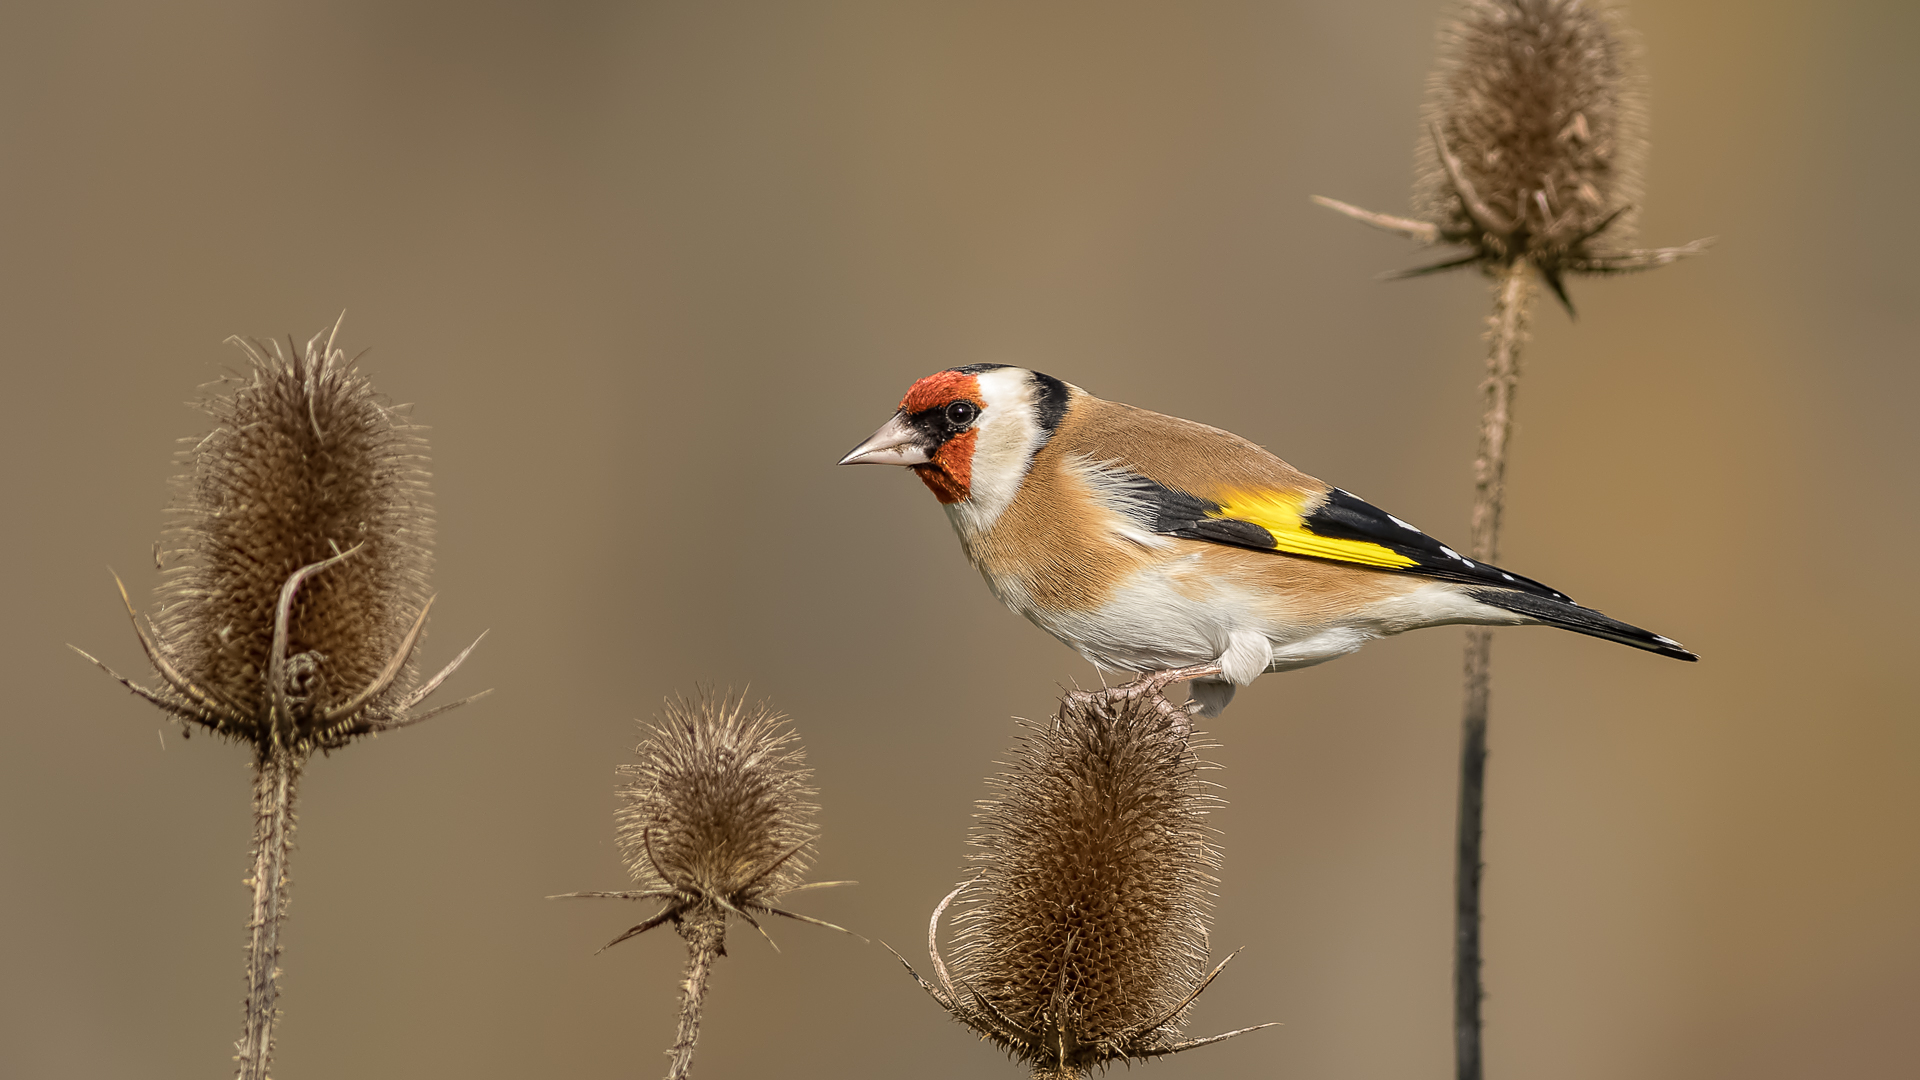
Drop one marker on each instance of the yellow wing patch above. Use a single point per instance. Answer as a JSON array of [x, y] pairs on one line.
[[1280, 514]]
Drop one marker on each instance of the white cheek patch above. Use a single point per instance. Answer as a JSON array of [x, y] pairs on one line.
[[1008, 436]]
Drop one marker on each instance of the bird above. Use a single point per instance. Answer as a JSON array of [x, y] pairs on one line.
[[1164, 547]]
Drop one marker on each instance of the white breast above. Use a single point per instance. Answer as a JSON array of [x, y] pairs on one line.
[[1161, 618]]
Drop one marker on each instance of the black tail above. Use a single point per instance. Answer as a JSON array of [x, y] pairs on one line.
[[1571, 616]]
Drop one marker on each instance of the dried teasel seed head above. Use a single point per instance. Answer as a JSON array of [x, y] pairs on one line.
[[714, 820], [301, 527], [712, 824], [1083, 939], [1540, 106], [303, 463], [715, 812], [1532, 143]]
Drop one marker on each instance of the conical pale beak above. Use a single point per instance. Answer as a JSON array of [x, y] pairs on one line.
[[896, 443]]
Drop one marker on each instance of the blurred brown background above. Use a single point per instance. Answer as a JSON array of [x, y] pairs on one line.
[[648, 269]]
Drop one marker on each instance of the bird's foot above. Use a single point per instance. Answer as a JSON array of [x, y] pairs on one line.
[[1155, 682], [1152, 685]]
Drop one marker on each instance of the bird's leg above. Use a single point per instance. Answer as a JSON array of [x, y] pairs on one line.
[[1179, 717], [1153, 684]]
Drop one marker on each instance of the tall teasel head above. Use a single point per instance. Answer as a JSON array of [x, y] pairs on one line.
[[714, 817], [1083, 939], [1533, 142], [302, 526]]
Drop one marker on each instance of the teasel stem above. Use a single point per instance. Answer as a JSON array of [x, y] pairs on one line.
[[1467, 992], [706, 934], [1507, 330], [276, 781]]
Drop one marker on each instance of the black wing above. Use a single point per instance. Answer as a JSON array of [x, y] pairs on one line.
[[1362, 533]]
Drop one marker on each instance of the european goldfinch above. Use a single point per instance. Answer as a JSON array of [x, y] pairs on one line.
[[1157, 545]]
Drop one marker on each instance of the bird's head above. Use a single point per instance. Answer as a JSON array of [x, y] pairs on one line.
[[970, 432]]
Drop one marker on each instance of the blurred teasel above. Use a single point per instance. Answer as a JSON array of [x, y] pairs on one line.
[[1083, 941], [1530, 159], [1533, 143], [714, 822], [302, 526]]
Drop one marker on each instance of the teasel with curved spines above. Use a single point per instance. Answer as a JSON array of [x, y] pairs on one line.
[[303, 527], [715, 821], [1083, 939]]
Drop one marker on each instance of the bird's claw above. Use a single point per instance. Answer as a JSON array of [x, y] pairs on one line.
[[1152, 685]]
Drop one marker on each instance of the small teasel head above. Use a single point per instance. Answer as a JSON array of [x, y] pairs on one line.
[[302, 526], [715, 817], [1083, 936], [714, 821], [1533, 141]]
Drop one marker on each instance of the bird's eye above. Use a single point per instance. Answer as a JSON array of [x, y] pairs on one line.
[[961, 413]]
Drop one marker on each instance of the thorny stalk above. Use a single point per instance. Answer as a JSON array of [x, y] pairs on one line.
[[706, 935], [1507, 330], [276, 781]]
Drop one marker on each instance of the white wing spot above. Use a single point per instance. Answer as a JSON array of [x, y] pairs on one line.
[[1402, 524], [1450, 553]]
